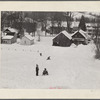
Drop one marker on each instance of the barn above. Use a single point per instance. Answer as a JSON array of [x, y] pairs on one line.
[[80, 37], [10, 36], [8, 39], [27, 40], [63, 39]]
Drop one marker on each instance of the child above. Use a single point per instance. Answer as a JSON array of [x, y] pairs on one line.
[[45, 72]]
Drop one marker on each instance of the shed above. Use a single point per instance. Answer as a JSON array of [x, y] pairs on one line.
[[8, 39], [80, 37], [27, 40], [63, 39]]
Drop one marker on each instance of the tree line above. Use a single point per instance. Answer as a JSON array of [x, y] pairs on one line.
[[29, 20]]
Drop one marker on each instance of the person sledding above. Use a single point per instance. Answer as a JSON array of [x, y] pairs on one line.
[[45, 72], [40, 54], [48, 58]]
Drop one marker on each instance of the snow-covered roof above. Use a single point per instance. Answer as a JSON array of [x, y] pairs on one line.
[[7, 37], [11, 29], [65, 33], [85, 14], [81, 32], [29, 37]]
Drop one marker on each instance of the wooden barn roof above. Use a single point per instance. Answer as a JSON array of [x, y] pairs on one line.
[[83, 33], [65, 33]]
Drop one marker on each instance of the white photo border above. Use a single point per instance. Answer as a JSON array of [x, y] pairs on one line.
[[49, 6]]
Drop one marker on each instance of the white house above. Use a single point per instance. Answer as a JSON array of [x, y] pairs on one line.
[[27, 40]]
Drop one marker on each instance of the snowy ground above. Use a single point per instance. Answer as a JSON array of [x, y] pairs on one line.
[[69, 67]]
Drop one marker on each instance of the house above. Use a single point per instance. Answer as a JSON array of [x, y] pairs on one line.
[[91, 31], [80, 37], [62, 39], [10, 36], [27, 40], [8, 39], [10, 30]]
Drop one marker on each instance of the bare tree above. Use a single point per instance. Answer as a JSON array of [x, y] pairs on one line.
[[69, 17]]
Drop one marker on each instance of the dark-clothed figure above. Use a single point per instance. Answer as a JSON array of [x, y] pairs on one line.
[[45, 72], [37, 70], [40, 54], [48, 58]]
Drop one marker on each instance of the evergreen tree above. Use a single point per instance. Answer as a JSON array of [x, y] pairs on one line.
[[82, 24]]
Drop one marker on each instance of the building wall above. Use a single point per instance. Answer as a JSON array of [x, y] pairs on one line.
[[15, 38], [79, 39], [7, 41], [32, 42], [62, 40]]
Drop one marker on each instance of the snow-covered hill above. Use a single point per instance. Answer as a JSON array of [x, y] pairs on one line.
[[69, 67], [90, 15]]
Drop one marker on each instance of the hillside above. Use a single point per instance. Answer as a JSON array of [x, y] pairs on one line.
[[69, 67]]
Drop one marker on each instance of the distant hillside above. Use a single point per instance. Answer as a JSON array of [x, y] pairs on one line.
[[90, 15]]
